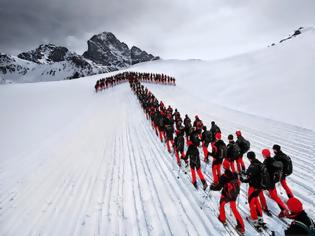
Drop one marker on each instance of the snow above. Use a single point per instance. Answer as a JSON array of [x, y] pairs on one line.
[[276, 82], [73, 162]]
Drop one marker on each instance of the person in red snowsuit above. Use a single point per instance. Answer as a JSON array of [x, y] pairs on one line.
[[255, 191], [269, 163], [193, 155], [230, 185], [218, 154], [280, 156]]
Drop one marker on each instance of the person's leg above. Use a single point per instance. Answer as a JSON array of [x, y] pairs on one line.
[[263, 200], [237, 215], [275, 197], [252, 203], [193, 175], [286, 188], [199, 172], [222, 216], [232, 166], [214, 173]]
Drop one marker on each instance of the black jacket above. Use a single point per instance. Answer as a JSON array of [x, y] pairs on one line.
[[193, 155], [253, 174], [179, 143], [268, 162], [296, 228]]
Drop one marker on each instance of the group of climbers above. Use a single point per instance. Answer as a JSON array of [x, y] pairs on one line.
[[261, 177], [111, 81]]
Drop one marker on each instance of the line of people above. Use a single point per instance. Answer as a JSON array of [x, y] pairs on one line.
[[260, 176], [114, 80]]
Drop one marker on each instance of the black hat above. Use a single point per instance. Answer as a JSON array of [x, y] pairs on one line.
[[251, 155], [212, 122], [276, 147], [230, 137], [204, 128]]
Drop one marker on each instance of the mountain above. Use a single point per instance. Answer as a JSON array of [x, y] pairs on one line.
[[105, 49], [49, 62]]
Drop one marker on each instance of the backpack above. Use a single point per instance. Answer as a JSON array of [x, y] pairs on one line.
[[287, 164], [194, 138], [235, 152], [208, 136], [264, 177], [245, 145], [278, 171], [232, 189], [309, 230], [221, 151]]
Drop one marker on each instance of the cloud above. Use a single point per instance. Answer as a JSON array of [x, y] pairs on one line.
[[172, 29]]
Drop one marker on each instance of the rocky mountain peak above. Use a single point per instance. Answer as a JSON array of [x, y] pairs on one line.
[[45, 53]]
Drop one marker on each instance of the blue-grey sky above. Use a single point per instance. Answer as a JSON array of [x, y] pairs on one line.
[[203, 29]]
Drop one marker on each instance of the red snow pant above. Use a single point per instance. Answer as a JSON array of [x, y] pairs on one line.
[[193, 175], [169, 142], [236, 213], [177, 156], [162, 135], [286, 188], [274, 196], [216, 172], [263, 200], [240, 164], [254, 204], [232, 164], [205, 150]]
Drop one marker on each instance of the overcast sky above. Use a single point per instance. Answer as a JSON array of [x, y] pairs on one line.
[[182, 29]]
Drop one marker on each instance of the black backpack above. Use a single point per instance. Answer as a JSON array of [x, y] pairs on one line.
[[235, 152], [221, 150], [232, 189], [245, 145], [278, 171], [208, 136], [194, 138], [264, 177], [287, 164]]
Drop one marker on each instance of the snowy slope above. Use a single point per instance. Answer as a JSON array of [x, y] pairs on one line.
[[78, 163], [275, 82], [73, 162]]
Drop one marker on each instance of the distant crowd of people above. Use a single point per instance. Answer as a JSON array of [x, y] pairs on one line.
[[129, 76]]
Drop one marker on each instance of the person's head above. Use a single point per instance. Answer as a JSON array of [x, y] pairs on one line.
[[238, 133], [218, 136], [204, 128], [178, 132], [265, 153], [186, 116], [251, 156], [226, 164], [196, 117], [276, 148], [295, 206], [189, 142], [212, 123], [230, 137]]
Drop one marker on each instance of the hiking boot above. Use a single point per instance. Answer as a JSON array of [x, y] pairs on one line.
[[240, 229], [195, 184]]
